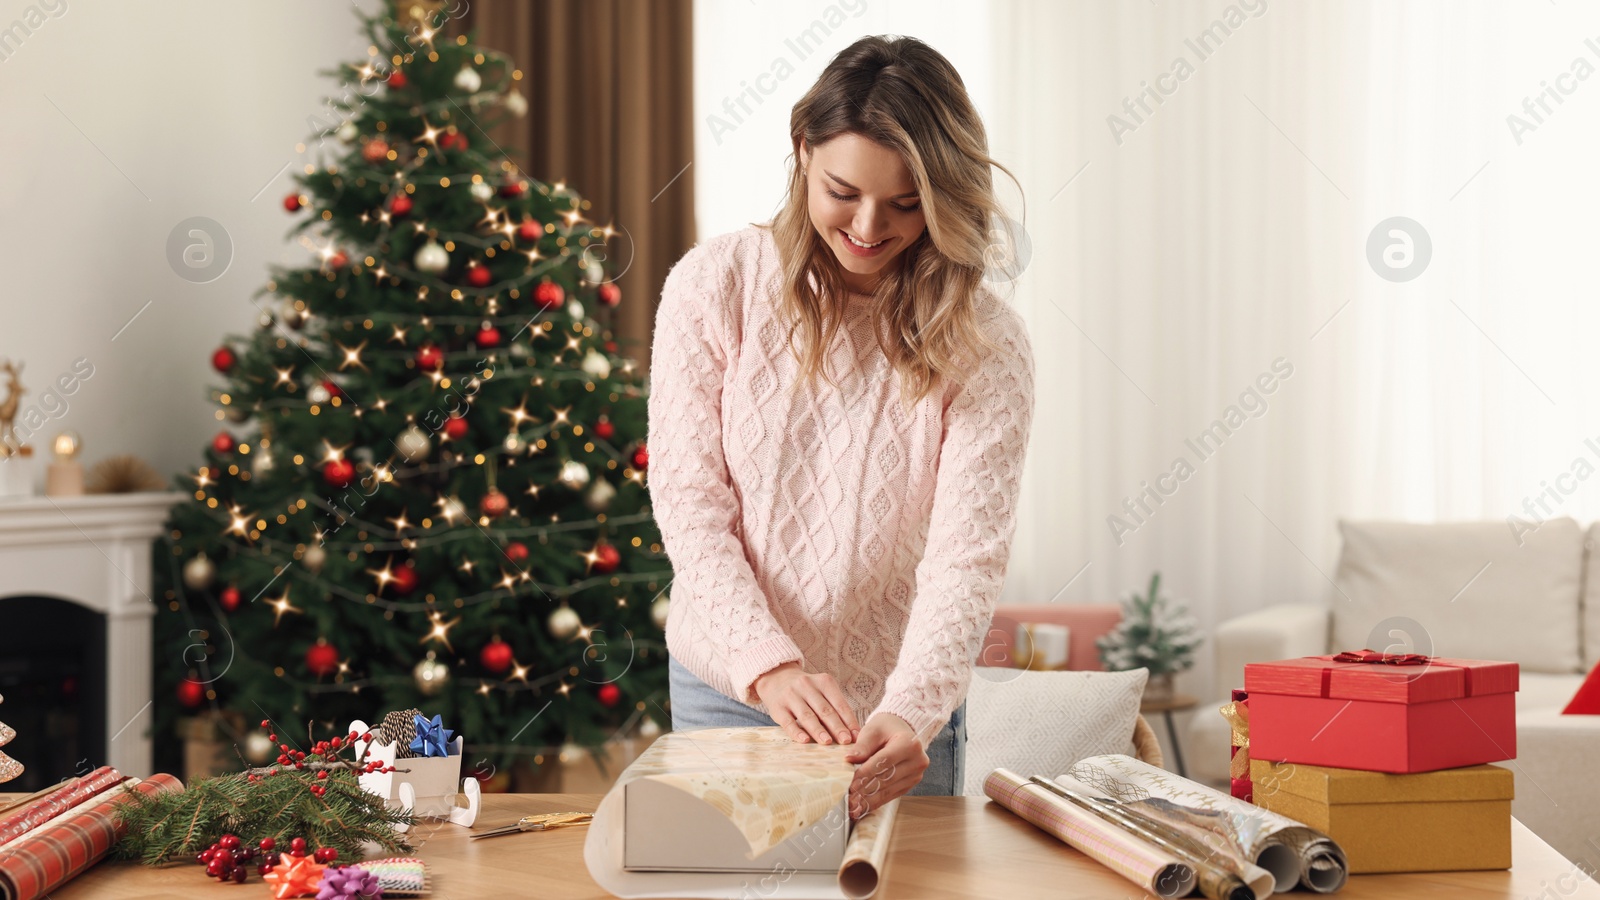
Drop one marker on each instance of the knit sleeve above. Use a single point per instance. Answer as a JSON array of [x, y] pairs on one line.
[[691, 491], [976, 492]]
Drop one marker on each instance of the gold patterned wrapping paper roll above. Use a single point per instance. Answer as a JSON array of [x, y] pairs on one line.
[[770, 788], [1151, 868]]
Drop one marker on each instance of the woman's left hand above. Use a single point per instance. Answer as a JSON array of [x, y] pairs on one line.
[[891, 759]]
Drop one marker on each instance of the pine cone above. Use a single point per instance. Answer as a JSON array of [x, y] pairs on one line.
[[399, 728]]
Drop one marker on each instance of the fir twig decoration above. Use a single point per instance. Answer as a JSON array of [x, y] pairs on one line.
[[1154, 633]]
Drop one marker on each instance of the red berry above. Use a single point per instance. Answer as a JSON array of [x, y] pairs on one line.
[[397, 79], [266, 723], [455, 429], [336, 742], [229, 842], [292, 203], [339, 472], [478, 275], [429, 357], [366, 735], [297, 845], [267, 843], [240, 874], [223, 442], [322, 774], [215, 868], [262, 869], [223, 359]]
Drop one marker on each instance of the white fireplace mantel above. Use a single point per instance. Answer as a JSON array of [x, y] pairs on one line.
[[95, 551]]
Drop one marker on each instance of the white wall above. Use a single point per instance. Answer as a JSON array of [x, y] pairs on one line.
[[123, 119], [739, 44]]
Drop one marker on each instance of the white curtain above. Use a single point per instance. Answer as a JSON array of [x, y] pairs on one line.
[[1228, 230]]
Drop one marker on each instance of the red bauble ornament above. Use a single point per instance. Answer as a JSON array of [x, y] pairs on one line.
[[229, 599], [447, 141], [496, 656], [512, 189], [338, 260], [548, 294], [606, 558], [604, 429], [292, 203], [495, 504], [191, 693], [339, 472], [478, 275], [223, 360], [375, 150], [609, 694], [404, 580], [455, 429], [488, 336], [641, 457], [400, 205], [397, 79], [429, 357], [611, 346], [332, 389], [530, 230], [610, 294], [517, 551], [223, 442], [322, 659]]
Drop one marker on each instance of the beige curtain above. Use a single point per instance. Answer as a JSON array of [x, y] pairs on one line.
[[610, 113]]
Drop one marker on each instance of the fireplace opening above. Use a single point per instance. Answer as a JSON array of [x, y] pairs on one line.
[[53, 678]]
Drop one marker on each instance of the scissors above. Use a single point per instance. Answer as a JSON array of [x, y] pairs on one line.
[[541, 822]]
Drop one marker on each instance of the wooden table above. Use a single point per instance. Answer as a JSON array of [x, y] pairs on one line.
[[943, 847]]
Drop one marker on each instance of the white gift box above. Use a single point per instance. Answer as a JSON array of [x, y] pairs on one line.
[[426, 785], [1041, 645]]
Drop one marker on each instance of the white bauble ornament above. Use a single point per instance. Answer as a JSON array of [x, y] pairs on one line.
[[519, 350], [564, 623], [468, 80], [648, 729], [575, 309], [596, 364], [258, 750], [314, 558], [348, 132], [260, 463], [265, 320], [198, 572], [413, 444], [482, 191], [595, 271], [318, 394], [517, 103], [514, 443], [574, 474], [454, 509], [658, 612], [431, 258], [600, 495], [430, 675]]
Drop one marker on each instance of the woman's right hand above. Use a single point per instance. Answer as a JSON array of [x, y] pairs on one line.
[[808, 706]]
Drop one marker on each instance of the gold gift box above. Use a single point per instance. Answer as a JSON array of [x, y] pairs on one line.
[[1444, 821]]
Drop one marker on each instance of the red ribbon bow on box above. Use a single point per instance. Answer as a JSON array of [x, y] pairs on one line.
[[1388, 659]]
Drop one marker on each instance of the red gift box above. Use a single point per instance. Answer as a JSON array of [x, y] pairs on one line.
[[1383, 713]]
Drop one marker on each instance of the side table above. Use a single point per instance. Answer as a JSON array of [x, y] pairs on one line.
[[1166, 707]]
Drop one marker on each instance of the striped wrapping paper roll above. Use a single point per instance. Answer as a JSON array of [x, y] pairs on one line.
[[54, 804], [1151, 868], [57, 853]]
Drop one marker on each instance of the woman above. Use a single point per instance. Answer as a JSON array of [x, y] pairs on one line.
[[838, 547]]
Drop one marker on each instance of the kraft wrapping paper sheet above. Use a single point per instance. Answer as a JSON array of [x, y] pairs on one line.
[[770, 788]]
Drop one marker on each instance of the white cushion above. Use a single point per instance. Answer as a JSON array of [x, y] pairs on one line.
[[1539, 691], [1038, 723], [1475, 592], [1591, 598]]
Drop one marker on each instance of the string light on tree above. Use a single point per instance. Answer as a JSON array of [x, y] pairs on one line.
[[430, 675]]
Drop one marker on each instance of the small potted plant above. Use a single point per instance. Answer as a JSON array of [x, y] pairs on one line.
[[1154, 634]]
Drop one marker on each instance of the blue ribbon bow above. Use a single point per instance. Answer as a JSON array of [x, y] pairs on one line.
[[433, 739]]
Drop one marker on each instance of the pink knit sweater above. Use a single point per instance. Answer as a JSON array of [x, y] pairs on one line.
[[828, 528]]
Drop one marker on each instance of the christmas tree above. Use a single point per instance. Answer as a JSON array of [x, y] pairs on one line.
[[1154, 634], [429, 490]]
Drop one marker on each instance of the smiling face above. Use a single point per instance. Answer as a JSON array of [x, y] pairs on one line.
[[860, 193]]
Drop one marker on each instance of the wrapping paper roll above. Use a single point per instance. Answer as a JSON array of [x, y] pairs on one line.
[[44, 809], [57, 852], [1151, 868], [767, 786], [1292, 852]]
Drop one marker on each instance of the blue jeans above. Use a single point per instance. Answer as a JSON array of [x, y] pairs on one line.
[[696, 704]]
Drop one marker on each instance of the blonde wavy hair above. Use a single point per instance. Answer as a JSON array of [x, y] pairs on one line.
[[904, 95]]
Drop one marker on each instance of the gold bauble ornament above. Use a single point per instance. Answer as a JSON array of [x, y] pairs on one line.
[[658, 612], [314, 558], [431, 675], [648, 728], [198, 572], [574, 474], [599, 496], [413, 444], [564, 623]]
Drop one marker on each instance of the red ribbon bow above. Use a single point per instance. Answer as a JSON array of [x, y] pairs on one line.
[[1388, 659]]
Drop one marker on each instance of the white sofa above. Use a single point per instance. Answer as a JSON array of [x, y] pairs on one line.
[[1476, 590]]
